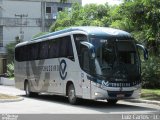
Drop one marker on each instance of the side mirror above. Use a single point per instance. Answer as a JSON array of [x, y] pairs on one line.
[[145, 52], [90, 48]]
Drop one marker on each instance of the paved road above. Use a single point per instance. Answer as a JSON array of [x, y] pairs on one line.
[[59, 105]]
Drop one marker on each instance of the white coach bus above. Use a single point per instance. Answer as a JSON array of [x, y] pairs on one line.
[[80, 62]]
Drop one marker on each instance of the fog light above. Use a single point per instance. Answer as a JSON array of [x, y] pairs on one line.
[[96, 94]]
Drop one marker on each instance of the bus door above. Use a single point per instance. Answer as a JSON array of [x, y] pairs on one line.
[[85, 65]]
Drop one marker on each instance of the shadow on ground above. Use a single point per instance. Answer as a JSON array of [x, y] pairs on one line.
[[101, 106]]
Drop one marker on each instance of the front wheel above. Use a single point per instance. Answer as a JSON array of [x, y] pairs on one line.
[[112, 102], [72, 95]]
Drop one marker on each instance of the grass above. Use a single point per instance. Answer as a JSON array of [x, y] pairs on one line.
[[150, 94], [4, 96], [11, 78]]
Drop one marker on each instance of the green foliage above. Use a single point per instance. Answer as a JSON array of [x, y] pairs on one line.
[[89, 15], [10, 50], [150, 94], [139, 17], [40, 34], [10, 69], [151, 73]]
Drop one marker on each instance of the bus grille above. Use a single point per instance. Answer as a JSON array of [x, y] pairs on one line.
[[115, 93]]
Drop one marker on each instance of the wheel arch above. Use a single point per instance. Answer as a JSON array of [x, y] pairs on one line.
[[25, 81], [67, 85]]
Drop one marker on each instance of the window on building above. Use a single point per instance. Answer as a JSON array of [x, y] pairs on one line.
[[59, 9], [1, 43], [48, 9], [1, 36]]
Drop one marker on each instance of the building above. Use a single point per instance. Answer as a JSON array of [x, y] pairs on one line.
[[25, 18]]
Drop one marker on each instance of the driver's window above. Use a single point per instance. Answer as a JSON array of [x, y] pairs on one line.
[[108, 53]]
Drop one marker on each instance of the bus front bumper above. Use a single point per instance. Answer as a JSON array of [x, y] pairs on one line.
[[116, 93]]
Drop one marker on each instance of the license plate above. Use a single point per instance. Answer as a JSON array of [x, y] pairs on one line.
[[120, 95]]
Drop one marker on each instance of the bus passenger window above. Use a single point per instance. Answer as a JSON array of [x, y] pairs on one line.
[[66, 49], [43, 51], [53, 48], [77, 39]]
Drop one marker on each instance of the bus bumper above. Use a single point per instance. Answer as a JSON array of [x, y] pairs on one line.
[[116, 93]]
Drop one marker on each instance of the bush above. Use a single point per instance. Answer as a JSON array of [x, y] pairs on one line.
[[10, 49], [10, 70], [151, 73]]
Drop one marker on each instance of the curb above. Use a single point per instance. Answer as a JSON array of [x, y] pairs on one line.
[[11, 100], [6, 81], [144, 101]]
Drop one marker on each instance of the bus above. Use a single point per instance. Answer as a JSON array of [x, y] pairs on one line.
[[86, 62]]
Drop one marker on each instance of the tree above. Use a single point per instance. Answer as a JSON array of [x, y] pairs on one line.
[[10, 48], [39, 34], [89, 15], [141, 18]]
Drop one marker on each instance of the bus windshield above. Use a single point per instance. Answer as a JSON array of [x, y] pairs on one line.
[[116, 59]]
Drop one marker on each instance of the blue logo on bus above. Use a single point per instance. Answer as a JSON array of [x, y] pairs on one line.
[[62, 69]]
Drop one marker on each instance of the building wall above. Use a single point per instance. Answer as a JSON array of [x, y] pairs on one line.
[[34, 20], [25, 18], [32, 9], [1, 36], [3, 65], [15, 26], [10, 33], [68, 1]]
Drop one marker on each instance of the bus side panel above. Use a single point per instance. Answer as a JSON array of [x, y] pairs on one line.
[[55, 85], [69, 72], [86, 86], [20, 74], [38, 75]]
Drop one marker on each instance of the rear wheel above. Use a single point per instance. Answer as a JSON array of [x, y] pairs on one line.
[[28, 91], [72, 95], [112, 101]]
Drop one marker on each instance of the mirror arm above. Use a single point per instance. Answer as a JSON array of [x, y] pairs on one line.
[[144, 50]]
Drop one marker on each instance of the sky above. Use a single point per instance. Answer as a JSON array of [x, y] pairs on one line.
[[110, 2]]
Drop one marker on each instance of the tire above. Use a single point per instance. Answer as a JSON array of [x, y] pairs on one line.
[[112, 101], [28, 91], [72, 95]]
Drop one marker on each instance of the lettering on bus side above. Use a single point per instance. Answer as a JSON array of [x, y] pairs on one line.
[[62, 69], [38, 83]]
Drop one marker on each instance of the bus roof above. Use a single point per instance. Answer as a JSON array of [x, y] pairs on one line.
[[90, 30]]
